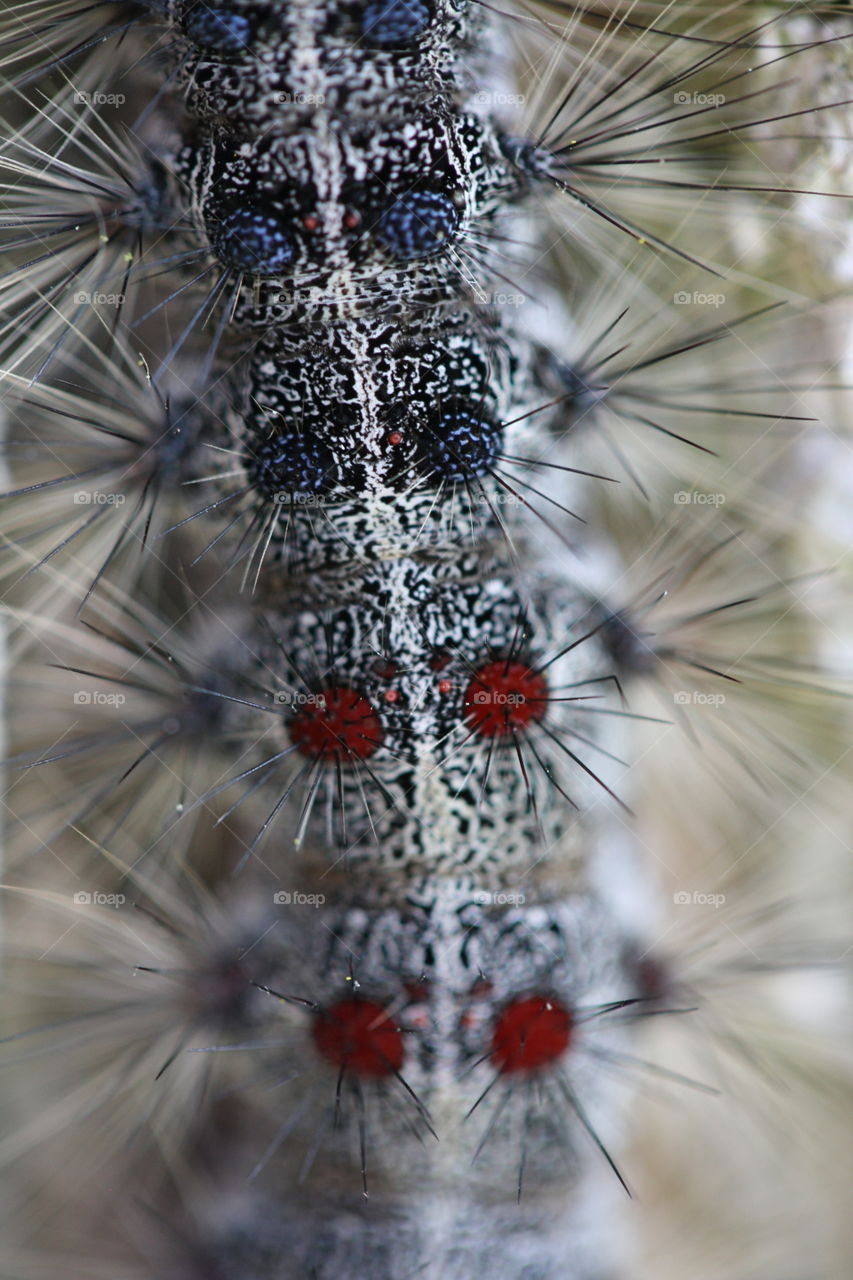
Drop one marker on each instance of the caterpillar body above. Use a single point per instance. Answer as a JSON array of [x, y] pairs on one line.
[[365, 560]]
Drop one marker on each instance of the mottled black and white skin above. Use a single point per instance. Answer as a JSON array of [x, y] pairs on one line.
[[362, 61], [381, 411], [412, 1172], [432, 794], [343, 202], [373, 441]]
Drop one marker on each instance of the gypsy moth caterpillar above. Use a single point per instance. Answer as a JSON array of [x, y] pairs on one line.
[[367, 641]]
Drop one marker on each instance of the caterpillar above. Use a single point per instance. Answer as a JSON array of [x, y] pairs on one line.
[[423, 577]]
